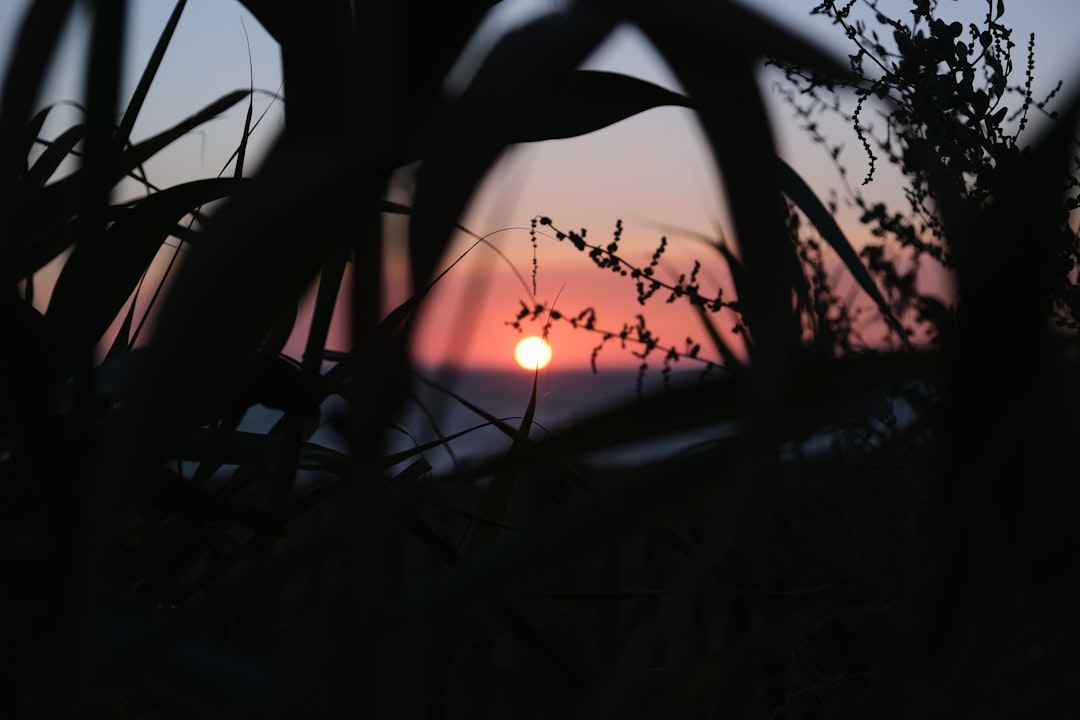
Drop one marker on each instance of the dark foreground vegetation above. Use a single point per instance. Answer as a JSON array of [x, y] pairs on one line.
[[825, 556]]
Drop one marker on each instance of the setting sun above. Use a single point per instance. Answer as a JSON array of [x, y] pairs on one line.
[[532, 353]]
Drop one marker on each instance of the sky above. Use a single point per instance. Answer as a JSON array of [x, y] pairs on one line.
[[653, 171]]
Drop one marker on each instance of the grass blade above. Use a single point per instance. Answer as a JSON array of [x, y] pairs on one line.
[[41, 231], [588, 100], [496, 500], [55, 153], [806, 200], [34, 45], [241, 151], [138, 98], [469, 137], [133, 241]]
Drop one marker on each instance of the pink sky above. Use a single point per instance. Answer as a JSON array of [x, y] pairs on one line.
[[652, 170]]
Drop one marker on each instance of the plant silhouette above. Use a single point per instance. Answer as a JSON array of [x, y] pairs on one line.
[[823, 558]]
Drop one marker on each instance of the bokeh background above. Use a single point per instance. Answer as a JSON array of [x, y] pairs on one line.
[[652, 171]]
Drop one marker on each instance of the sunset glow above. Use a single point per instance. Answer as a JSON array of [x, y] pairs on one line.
[[532, 353]]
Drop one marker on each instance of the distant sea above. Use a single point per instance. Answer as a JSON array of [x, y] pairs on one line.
[[563, 398]]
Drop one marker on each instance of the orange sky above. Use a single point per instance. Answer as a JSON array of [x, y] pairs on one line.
[[651, 171], [655, 173]]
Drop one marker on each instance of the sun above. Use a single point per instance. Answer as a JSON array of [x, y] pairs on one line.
[[532, 353]]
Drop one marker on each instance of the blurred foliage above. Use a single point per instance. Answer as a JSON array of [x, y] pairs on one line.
[[874, 530]]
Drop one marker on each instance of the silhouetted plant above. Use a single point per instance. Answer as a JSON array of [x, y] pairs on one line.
[[944, 87], [160, 562]]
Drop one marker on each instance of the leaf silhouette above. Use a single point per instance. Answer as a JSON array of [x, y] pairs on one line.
[[713, 30], [42, 231], [745, 156], [806, 200], [496, 501], [584, 101], [469, 137], [132, 242], [55, 153], [138, 98], [37, 38]]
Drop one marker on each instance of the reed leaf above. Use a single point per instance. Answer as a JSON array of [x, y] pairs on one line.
[[55, 153], [43, 231], [138, 98], [468, 138], [133, 240], [495, 503], [806, 200], [34, 47]]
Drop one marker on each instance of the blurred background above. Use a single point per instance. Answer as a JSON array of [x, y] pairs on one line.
[[652, 171]]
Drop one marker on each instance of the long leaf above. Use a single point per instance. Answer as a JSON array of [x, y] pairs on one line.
[[443, 441], [32, 134], [132, 242], [55, 153], [41, 233], [584, 101], [731, 27], [469, 137], [718, 72], [589, 100], [497, 495], [800, 193], [122, 342], [254, 262], [241, 150], [37, 37], [138, 98], [140, 153]]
